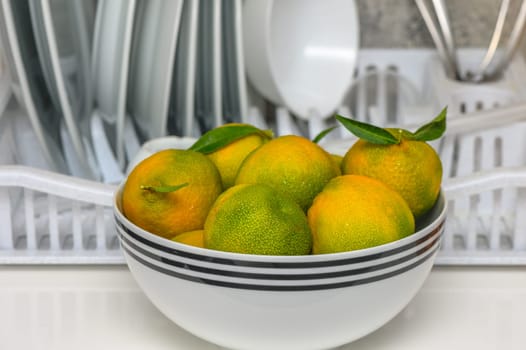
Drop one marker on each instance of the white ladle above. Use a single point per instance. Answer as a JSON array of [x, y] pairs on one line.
[[301, 54]]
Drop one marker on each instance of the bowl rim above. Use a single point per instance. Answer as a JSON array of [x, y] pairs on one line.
[[270, 260]]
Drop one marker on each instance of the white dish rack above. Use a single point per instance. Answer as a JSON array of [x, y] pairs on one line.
[[48, 218]]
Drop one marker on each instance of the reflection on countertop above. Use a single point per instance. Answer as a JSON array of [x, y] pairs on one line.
[[101, 307]]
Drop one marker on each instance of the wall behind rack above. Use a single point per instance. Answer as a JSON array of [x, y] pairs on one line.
[[398, 24]]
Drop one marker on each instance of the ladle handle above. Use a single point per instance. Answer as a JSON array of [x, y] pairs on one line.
[[443, 20], [437, 38], [494, 43], [513, 44]]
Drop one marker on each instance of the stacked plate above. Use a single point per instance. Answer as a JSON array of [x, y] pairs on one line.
[[49, 65], [96, 79]]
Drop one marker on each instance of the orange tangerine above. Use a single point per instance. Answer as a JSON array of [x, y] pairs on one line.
[[148, 202]]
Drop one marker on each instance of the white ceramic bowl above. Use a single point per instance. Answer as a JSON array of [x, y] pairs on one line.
[[280, 302], [301, 54]]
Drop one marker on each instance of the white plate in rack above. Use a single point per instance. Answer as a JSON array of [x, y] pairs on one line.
[[209, 109], [234, 81], [152, 65], [240, 60], [110, 62], [203, 99], [109, 50], [217, 62], [43, 53], [231, 112], [81, 160], [43, 120], [181, 112], [109, 166]]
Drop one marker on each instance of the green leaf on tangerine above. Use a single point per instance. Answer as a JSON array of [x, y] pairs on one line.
[[164, 189], [368, 132], [432, 130], [322, 134], [222, 136]]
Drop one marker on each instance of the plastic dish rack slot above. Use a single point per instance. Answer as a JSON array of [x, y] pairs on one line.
[[466, 97], [408, 87], [49, 218], [486, 222]]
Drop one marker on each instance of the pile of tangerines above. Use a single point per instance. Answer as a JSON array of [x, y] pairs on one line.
[[239, 189]]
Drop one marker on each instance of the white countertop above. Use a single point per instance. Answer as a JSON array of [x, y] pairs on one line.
[[101, 307]]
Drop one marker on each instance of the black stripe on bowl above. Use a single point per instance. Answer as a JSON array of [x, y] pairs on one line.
[[159, 254], [263, 264], [216, 272], [284, 288]]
